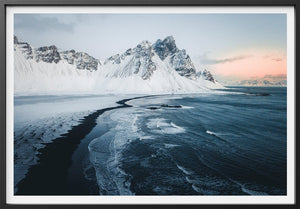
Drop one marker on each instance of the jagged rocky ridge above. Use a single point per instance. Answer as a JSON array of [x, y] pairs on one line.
[[24, 47], [140, 62], [178, 59], [147, 68], [51, 54], [168, 52]]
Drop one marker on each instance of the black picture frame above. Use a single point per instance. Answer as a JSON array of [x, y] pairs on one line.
[[131, 3]]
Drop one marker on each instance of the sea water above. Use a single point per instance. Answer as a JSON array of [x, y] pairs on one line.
[[231, 143]]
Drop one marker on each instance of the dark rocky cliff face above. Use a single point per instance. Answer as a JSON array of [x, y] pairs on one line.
[[178, 59], [141, 58], [24, 47], [51, 54], [208, 76], [47, 54], [82, 60], [168, 52], [165, 48]]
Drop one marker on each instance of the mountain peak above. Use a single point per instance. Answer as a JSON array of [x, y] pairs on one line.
[[47, 54], [24, 47], [165, 47], [145, 44], [82, 60], [169, 39], [166, 50], [147, 68], [51, 54]]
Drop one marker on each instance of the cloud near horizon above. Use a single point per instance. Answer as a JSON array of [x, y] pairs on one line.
[[258, 65], [274, 58], [205, 60], [277, 59]]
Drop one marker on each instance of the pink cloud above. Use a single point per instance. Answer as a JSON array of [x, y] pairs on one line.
[[258, 65]]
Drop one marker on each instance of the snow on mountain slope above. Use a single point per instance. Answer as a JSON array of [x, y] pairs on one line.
[[44, 71], [152, 69], [177, 59]]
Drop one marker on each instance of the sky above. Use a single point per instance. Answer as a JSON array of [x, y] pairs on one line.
[[229, 45]]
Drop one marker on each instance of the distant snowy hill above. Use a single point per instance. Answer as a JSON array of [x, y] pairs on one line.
[[268, 81], [148, 69]]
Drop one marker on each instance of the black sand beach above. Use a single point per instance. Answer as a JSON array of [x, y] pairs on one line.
[[49, 176]]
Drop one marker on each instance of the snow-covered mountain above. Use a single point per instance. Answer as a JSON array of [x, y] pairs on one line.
[[268, 80], [147, 68]]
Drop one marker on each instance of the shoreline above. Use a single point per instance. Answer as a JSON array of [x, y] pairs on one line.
[[99, 129], [50, 175]]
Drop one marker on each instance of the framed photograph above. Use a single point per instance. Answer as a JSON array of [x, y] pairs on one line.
[[170, 103]]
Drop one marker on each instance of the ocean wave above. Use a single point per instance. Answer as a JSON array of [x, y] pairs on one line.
[[171, 145], [186, 107], [253, 192], [197, 189], [145, 137], [106, 151], [189, 180], [160, 125], [184, 170], [249, 191], [211, 133], [134, 127], [204, 191], [218, 135]]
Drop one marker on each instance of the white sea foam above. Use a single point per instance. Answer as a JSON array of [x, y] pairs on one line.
[[197, 189], [210, 132], [134, 126], [171, 145], [204, 191], [249, 191], [145, 137], [123, 128], [252, 192], [186, 107], [160, 125], [177, 127], [184, 170], [223, 136], [189, 180]]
